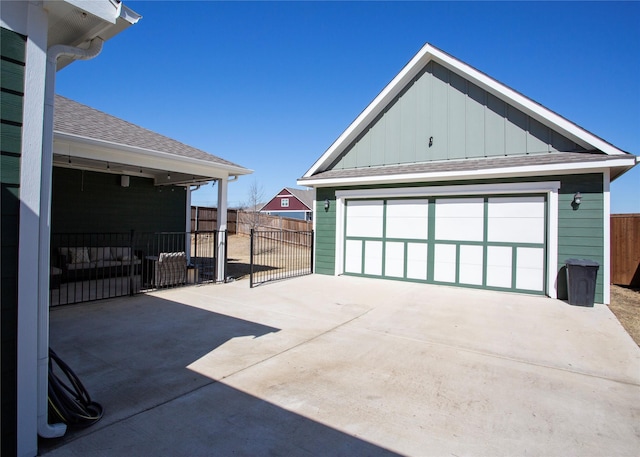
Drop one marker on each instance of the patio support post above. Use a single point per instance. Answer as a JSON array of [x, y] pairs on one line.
[[189, 229], [222, 228], [45, 429]]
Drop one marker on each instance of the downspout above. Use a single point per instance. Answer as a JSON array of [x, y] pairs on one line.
[[45, 429]]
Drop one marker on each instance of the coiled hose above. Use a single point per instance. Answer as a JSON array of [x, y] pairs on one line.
[[70, 404]]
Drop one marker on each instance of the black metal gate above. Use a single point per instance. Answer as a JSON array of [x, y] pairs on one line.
[[280, 254]]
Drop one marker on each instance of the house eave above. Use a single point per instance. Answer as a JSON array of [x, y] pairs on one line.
[[77, 22], [622, 165], [66, 144]]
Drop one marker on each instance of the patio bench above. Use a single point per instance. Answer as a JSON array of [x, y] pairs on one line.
[[86, 263]]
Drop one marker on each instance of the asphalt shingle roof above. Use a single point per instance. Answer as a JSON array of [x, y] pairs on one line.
[[304, 195], [463, 165], [77, 119]]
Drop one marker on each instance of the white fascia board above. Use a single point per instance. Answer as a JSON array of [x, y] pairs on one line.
[[107, 10], [105, 151], [507, 172], [547, 117]]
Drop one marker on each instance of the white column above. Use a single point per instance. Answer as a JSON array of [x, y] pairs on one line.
[[605, 269], [222, 228], [187, 225], [29, 244]]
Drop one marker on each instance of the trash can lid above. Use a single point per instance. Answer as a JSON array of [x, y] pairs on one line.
[[582, 262]]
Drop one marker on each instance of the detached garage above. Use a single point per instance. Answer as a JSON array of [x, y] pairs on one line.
[[449, 177]]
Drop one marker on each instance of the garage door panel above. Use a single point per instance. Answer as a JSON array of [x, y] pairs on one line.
[[516, 207], [499, 268], [408, 219], [459, 219], [417, 260], [471, 265], [513, 230], [394, 259], [373, 258], [364, 219], [444, 268], [530, 269], [516, 220], [353, 256]]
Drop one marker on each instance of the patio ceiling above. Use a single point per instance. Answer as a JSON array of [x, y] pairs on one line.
[[161, 177]]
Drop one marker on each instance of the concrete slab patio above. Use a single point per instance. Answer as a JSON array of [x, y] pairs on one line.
[[324, 365]]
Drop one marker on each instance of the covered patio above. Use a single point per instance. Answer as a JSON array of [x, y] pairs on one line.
[[349, 366], [111, 176]]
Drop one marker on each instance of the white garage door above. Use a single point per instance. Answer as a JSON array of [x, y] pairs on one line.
[[489, 242]]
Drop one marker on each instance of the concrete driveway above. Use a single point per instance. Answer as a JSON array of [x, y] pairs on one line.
[[349, 366]]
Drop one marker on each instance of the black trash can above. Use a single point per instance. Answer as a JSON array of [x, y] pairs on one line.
[[581, 281]]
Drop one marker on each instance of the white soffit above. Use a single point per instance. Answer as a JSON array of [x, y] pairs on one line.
[[102, 151], [411, 70], [77, 22]]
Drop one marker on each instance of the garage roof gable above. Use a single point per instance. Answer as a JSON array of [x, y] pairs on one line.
[[557, 133]]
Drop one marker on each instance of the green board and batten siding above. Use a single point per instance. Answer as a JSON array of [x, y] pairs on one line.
[[91, 202], [463, 120], [580, 231], [325, 245], [12, 70]]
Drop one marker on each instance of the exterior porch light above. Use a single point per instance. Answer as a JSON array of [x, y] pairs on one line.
[[326, 204], [168, 175], [577, 198]]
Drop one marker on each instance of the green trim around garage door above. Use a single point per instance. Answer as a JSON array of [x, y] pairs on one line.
[[381, 243]]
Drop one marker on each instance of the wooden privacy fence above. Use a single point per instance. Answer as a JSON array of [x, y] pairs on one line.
[[204, 218], [625, 249], [240, 222], [263, 222]]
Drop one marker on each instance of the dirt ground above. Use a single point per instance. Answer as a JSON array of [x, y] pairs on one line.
[[238, 255], [238, 258], [625, 302]]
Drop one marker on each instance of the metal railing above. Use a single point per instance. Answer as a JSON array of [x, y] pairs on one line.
[[280, 254], [94, 266]]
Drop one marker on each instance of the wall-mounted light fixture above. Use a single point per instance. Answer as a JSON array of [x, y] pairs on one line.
[[124, 181], [577, 198], [430, 141], [326, 204], [168, 175]]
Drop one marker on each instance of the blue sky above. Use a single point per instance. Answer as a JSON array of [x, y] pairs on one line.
[[270, 85]]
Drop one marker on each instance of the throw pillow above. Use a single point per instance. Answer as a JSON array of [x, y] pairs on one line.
[[79, 255]]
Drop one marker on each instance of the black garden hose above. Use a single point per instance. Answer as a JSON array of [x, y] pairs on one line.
[[70, 404]]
